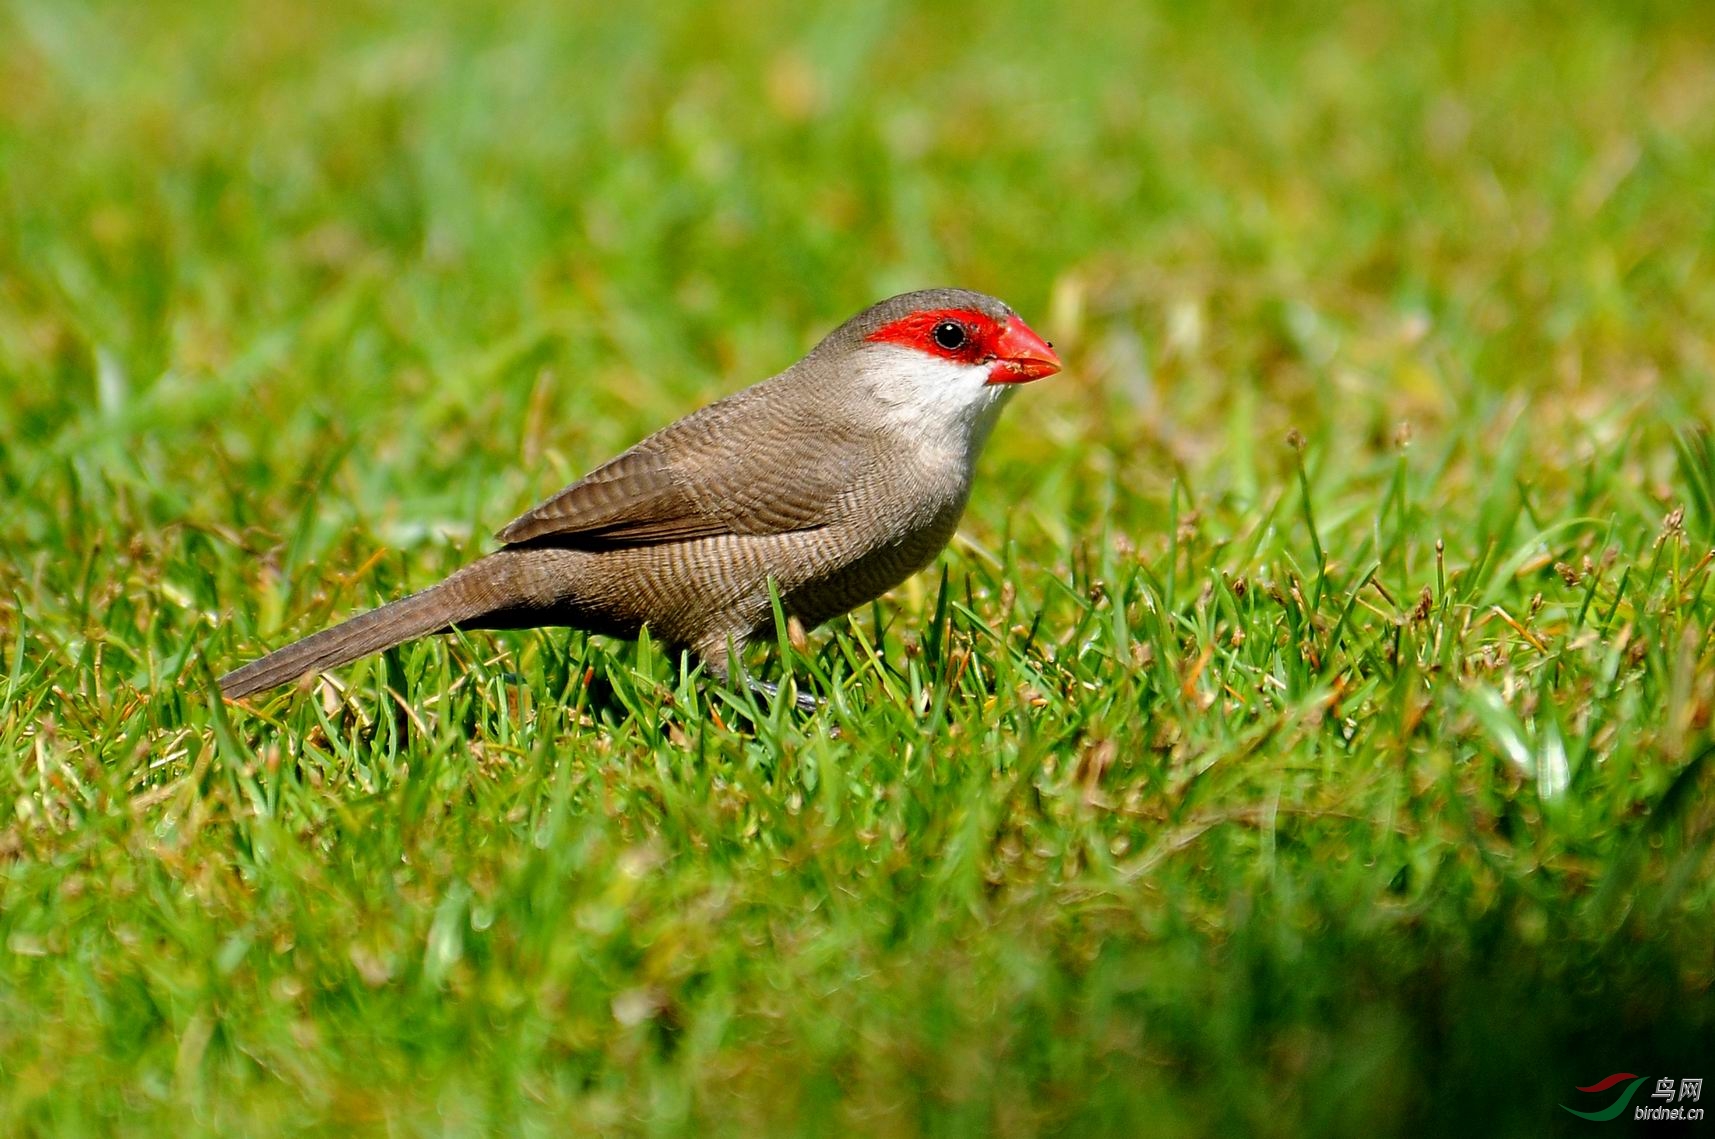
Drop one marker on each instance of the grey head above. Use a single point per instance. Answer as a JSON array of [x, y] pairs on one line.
[[860, 328]]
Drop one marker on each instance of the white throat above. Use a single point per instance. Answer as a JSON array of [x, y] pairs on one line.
[[943, 405]]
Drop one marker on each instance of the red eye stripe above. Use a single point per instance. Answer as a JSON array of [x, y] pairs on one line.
[[918, 331]]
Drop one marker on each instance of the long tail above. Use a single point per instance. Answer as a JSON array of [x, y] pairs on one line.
[[464, 596]]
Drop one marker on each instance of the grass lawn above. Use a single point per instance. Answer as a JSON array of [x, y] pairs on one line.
[[1307, 734]]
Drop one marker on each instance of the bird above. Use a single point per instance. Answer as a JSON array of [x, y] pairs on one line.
[[825, 486]]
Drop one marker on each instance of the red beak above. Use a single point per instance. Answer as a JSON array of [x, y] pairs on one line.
[[1023, 355]]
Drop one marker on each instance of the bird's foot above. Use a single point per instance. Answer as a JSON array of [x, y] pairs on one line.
[[803, 701]]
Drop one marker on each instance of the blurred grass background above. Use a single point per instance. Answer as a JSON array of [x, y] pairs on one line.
[[1226, 786]]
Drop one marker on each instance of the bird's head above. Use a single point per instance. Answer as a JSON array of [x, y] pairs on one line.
[[942, 357]]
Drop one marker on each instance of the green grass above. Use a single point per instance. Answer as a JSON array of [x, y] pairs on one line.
[[1211, 784]]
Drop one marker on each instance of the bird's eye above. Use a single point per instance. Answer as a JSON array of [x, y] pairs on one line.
[[950, 335]]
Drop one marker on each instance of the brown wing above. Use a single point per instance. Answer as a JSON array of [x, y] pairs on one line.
[[746, 465]]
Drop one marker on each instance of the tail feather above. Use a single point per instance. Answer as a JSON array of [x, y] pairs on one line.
[[431, 611]]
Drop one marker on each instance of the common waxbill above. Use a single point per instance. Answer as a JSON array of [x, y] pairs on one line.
[[837, 479]]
